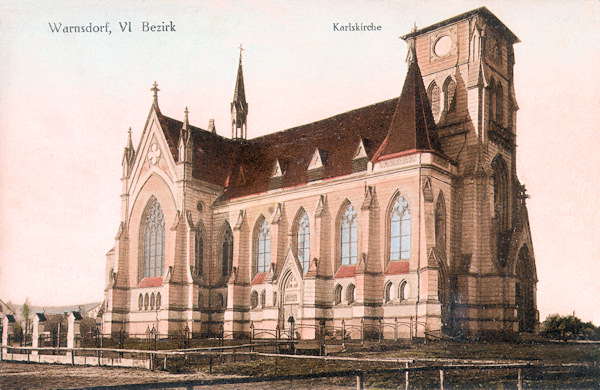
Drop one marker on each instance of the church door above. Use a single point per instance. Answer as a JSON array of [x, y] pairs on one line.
[[290, 300]]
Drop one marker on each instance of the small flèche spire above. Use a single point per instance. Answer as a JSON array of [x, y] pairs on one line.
[[129, 141]]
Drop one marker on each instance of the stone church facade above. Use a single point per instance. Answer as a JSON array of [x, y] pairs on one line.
[[405, 211]]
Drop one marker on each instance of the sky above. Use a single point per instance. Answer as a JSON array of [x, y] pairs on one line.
[[67, 100]]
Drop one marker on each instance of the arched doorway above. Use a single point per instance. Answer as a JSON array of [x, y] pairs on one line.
[[289, 301], [525, 291]]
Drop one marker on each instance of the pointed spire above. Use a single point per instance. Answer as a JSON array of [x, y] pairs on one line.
[[186, 123], [129, 141], [239, 106], [412, 128]]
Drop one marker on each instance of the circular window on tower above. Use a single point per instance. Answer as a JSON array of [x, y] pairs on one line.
[[442, 46]]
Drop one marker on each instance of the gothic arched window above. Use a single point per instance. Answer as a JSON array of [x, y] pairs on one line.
[[500, 175], [499, 104], [337, 294], [154, 241], [449, 94], [199, 253], [226, 251], [140, 302], [152, 298], [254, 299], [304, 242], [387, 292], [402, 291], [433, 93], [263, 299], [400, 230], [349, 237], [157, 301], [492, 101], [350, 293], [263, 248]]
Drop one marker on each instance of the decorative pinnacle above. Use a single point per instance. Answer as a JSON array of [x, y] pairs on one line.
[[155, 90]]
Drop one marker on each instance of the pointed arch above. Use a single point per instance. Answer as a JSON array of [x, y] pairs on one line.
[[225, 249], [440, 225], [301, 237], [501, 209], [152, 237], [449, 94], [347, 227], [499, 103], [350, 293], [262, 246], [398, 228], [387, 292], [492, 100], [199, 249], [433, 93], [337, 294], [403, 291]]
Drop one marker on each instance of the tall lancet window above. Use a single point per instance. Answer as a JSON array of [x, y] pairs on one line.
[[154, 242], [264, 248], [349, 237], [304, 242], [199, 253], [226, 251], [400, 230]]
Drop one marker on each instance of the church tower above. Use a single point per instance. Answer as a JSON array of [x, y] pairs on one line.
[[487, 285], [239, 106]]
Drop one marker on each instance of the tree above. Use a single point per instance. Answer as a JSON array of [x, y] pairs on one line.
[[26, 313], [568, 327]]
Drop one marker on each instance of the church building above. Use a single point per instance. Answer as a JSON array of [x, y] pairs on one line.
[[406, 212]]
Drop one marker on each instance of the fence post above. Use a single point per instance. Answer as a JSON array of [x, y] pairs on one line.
[[396, 329], [360, 381], [442, 379], [520, 379]]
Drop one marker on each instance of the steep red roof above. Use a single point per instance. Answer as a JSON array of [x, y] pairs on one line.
[[413, 127], [244, 167]]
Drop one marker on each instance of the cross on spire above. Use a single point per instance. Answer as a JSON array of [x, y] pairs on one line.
[[155, 90], [241, 50]]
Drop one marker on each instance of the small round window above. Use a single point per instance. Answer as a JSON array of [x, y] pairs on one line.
[[442, 46]]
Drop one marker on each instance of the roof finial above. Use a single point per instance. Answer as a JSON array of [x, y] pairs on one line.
[[241, 49], [414, 30], [155, 90]]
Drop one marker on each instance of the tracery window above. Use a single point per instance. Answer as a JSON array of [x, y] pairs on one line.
[[227, 251], [264, 248], [199, 241], [304, 242], [349, 239], [400, 230], [154, 242]]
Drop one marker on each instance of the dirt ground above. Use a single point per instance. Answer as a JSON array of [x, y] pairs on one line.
[[49, 376]]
